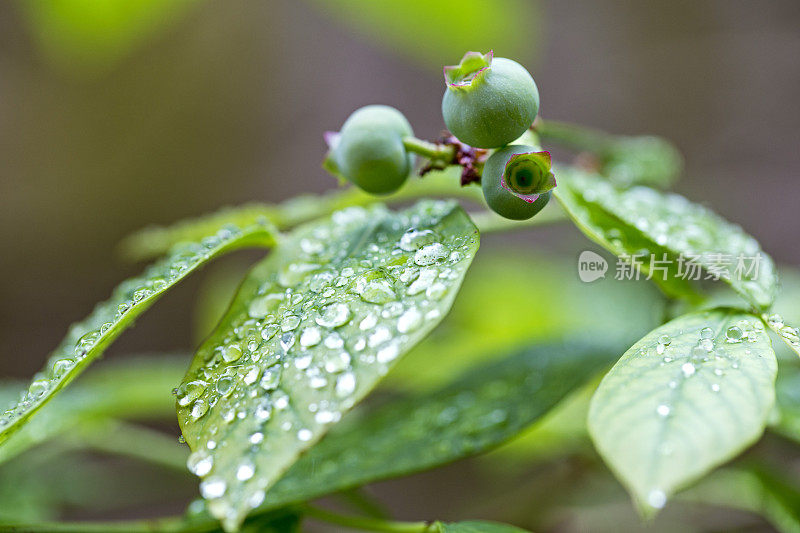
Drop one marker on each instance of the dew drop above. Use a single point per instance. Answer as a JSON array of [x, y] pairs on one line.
[[62, 366], [251, 374], [290, 323], [688, 369], [310, 337], [663, 410], [413, 239], [378, 292], [199, 409], [232, 353], [245, 471], [369, 322], [409, 321], [192, 391], [269, 331], [431, 254], [656, 498], [334, 315], [271, 378], [387, 353], [302, 362], [213, 488], [425, 279], [346, 384], [200, 463], [263, 411], [734, 334], [224, 385], [256, 499], [304, 435]]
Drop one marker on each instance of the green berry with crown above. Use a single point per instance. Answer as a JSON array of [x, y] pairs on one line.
[[517, 181], [489, 101]]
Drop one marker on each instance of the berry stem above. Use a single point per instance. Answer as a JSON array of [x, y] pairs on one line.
[[573, 136], [436, 152]]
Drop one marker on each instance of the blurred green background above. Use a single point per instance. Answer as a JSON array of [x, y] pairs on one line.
[[115, 115]]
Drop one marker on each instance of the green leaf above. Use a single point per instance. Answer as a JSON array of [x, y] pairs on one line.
[[438, 33], [87, 340], [686, 398], [484, 407], [313, 328], [643, 221], [475, 526], [108, 392]]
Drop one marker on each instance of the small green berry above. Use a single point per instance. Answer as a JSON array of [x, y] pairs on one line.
[[489, 101], [369, 151], [517, 181]]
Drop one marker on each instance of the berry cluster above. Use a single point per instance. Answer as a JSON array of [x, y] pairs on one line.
[[488, 106]]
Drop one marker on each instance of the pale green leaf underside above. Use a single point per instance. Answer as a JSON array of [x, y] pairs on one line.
[[673, 224], [87, 340], [686, 398], [105, 393], [788, 333], [313, 328], [477, 411], [474, 526]]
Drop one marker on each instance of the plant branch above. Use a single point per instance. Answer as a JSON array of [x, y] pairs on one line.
[[366, 524]]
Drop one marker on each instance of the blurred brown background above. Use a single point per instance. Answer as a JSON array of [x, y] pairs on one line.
[[224, 102]]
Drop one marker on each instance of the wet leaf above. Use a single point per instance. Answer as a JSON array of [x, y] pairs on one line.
[[87, 340], [689, 396], [478, 410], [313, 328], [643, 221], [106, 392]]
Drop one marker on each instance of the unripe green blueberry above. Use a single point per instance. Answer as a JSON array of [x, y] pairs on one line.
[[517, 181], [488, 101], [369, 150]]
